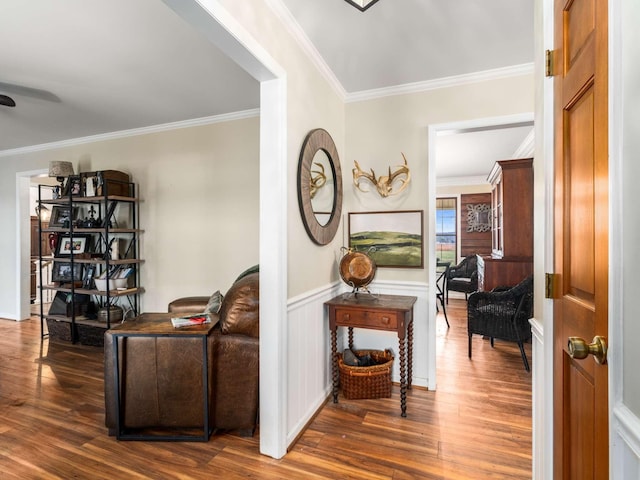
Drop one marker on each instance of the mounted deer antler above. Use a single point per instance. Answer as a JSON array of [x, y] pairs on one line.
[[317, 180], [384, 184]]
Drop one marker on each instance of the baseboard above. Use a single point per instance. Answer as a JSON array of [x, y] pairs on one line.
[[294, 434]]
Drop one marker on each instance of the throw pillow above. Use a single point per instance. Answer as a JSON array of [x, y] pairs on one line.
[[214, 303]]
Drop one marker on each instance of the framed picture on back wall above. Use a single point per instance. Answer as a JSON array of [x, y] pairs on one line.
[[392, 239]]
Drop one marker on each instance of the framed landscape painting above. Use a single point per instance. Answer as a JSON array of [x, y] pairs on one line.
[[396, 237]]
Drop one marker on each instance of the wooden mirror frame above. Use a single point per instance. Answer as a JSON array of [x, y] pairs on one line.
[[319, 139]]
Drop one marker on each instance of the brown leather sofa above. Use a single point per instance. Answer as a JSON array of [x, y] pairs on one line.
[[153, 401]]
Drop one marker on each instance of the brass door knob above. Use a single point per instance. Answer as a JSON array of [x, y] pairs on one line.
[[580, 349]]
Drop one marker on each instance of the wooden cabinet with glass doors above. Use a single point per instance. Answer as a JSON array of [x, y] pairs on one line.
[[511, 257]]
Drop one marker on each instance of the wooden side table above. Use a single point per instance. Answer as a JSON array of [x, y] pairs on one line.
[[377, 312], [154, 325]]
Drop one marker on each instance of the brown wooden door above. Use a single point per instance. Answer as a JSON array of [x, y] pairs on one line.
[[581, 237]]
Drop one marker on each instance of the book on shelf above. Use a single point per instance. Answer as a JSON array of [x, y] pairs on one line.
[[190, 320]]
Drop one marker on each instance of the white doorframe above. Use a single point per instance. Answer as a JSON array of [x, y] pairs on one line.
[[431, 212], [214, 21], [623, 455], [23, 242], [543, 235]]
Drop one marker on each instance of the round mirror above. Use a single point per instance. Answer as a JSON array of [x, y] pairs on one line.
[[320, 186]]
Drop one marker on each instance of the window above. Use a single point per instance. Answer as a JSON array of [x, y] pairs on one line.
[[446, 230]]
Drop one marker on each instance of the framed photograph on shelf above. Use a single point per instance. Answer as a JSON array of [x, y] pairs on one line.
[[392, 239], [89, 185], [73, 186], [89, 273], [62, 216], [63, 273], [77, 244]]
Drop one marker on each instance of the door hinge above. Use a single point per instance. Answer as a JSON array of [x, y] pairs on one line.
[[548, 62], [551, 285]]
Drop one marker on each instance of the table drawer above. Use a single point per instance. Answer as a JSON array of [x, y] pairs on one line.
[[367, 318]]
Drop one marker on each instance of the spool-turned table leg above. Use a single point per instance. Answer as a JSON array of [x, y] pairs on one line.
[[403, 377], [350, 338], [410, 354], [334, 364]]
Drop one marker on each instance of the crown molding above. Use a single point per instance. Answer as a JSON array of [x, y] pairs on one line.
[[196, 122], [445, 82], [527, 147], [461, 181], [295, 30]]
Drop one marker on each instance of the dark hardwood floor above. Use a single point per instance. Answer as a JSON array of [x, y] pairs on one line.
[[476, 425]]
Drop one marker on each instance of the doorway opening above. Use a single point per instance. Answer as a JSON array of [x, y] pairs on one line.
[[461, 156]]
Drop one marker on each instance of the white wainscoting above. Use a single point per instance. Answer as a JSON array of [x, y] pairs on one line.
[[309, 348], [539, 383], [625, 434], [308, 354]]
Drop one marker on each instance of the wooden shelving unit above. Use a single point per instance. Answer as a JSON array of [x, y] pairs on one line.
[[116, 223]]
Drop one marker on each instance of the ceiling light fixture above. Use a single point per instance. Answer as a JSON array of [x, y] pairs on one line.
[[361, 5], [7, 101]]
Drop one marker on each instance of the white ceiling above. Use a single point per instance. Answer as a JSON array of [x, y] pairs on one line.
[[79, 68], [396, 42], [108, 66], [471, 154]]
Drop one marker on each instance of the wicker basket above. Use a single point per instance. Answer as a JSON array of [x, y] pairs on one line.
[[367, 382], [60, 331]]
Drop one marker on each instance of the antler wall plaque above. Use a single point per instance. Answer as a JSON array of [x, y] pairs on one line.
[[385, 184]]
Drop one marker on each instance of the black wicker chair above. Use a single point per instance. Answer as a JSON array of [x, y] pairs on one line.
[[463, 277], [503, 313]]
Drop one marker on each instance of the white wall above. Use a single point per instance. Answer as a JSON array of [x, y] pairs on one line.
[[378, 130], [311, 103], [199, 191], [450, 190]]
